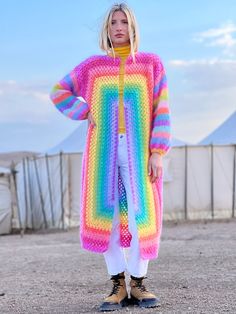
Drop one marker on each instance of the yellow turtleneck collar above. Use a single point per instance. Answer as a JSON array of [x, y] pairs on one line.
[[122, 52]]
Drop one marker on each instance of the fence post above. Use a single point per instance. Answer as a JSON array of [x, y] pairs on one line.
[[62, 194], [25, 194], [40, 193], [186, 183], [14, 172], [234, 166], [212, 181], [50, 189], [30, 194]]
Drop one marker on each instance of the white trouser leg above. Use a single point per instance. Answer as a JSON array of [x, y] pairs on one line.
[[136, 266], [114, 256]]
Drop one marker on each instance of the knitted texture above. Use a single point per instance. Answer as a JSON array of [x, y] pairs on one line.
[[147, 121], [123, 53]]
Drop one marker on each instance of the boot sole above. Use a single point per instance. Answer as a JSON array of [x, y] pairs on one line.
[[108, 307], [147, 303]]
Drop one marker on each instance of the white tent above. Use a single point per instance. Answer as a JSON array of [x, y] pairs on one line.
[[5, 201], [223, 134], [42, 189], [202, 183], [74, 143], [199, 183]]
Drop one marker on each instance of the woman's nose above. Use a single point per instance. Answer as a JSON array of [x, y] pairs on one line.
[[119, 27]]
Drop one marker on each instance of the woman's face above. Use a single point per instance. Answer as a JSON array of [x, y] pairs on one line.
[[118, 29]]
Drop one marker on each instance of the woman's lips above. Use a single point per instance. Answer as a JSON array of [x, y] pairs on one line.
[[119, 35]]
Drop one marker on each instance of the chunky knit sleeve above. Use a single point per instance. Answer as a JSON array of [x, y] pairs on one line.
[[161, 131], [65, 95]]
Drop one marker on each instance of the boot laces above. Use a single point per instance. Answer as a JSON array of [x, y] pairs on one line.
[[116, 286], [139, 284]]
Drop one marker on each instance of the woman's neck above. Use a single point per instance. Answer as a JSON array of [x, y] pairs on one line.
[[122, 51]]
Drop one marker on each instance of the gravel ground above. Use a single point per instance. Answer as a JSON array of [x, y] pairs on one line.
[[49, 273]]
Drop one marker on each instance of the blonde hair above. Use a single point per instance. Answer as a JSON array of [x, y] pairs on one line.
[[105, 42]]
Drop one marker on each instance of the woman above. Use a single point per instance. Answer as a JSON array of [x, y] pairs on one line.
[[124, 97]]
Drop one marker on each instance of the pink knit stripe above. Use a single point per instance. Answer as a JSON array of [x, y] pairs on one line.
[[162, 134]]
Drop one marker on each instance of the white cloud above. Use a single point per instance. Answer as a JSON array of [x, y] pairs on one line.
[[196, 114], [207, 74], [11, 82], [225, 29], [205, 62], [25, 102], [204, 97], [29, 120], [223, 36], [38, 90]]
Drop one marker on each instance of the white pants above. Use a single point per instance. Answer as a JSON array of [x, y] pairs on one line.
[[115, 257]]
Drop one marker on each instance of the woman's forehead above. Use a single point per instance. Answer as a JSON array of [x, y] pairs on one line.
[[119, 15]]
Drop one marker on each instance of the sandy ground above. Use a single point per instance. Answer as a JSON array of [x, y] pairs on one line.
[[49, 273]]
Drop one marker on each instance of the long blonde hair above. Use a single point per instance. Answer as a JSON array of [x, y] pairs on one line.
[[105, 42]]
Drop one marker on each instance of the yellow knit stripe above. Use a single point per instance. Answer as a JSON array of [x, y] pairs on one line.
[[121, 94], [123, 53]]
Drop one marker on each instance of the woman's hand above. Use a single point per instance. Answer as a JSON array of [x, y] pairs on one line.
[[155, 166], [90, 119]]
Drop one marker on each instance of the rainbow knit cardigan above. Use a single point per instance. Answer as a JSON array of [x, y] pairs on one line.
[[147, 121]]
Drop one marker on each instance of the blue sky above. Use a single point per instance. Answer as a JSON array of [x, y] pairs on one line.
[[41, 41]]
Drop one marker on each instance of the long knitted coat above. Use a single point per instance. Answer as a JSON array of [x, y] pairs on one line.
[[147, 120]]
